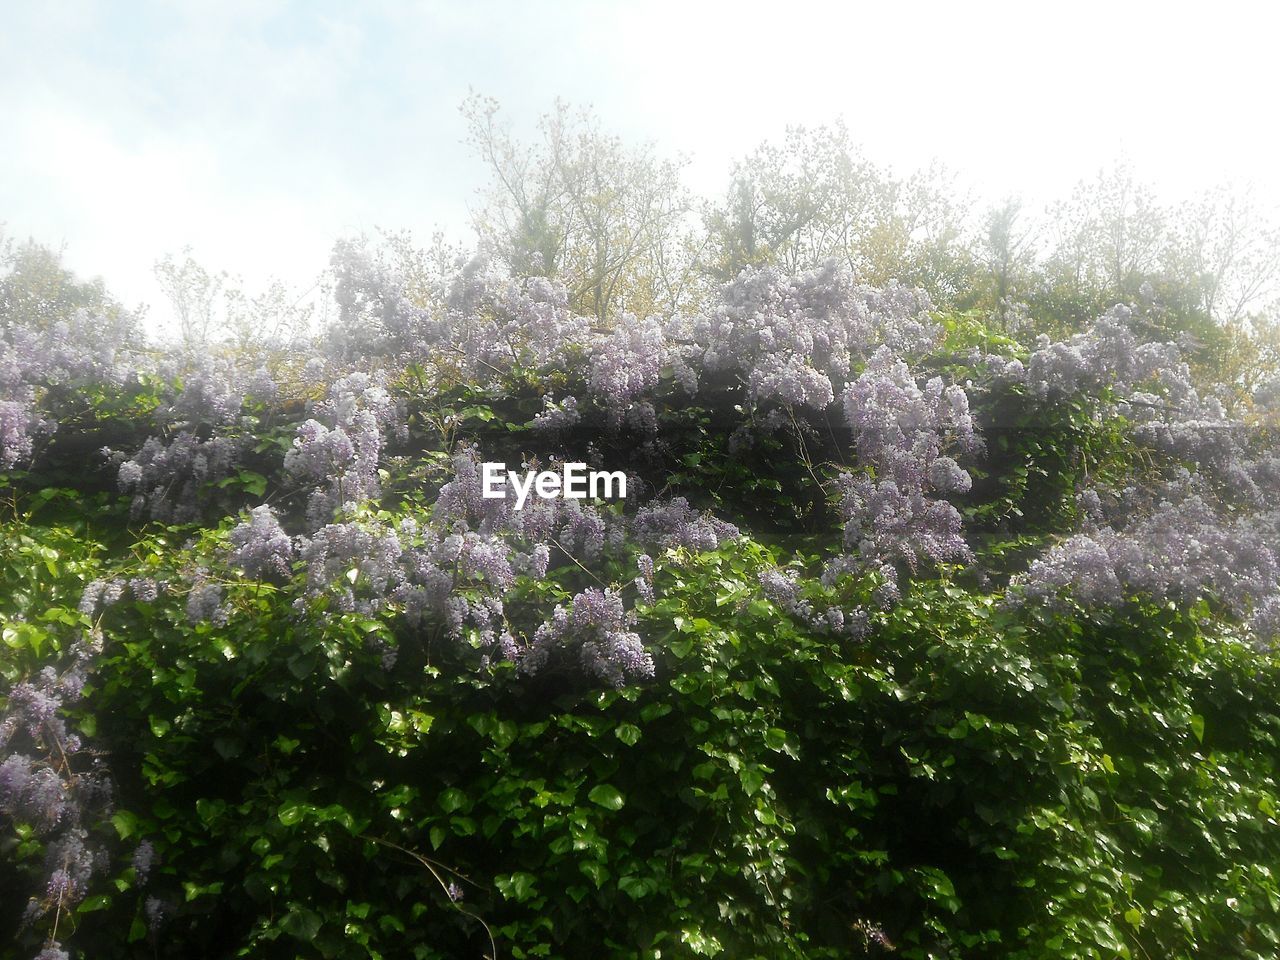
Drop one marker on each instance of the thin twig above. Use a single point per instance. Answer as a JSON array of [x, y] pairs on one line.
[[431, 867]]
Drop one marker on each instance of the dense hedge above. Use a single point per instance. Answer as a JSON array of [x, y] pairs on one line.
[[843, 733]]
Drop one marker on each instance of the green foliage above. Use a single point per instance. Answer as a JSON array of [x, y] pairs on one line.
[[972, 782], [968, 781]]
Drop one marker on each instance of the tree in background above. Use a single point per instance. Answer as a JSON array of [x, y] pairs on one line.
[[579, 205], [209, 305], [815, 197], [1005, 263], [1211, 264], [1228, 252], [1109, 234], [36, 290]]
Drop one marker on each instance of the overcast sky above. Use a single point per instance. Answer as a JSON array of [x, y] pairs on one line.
[[257, 132]]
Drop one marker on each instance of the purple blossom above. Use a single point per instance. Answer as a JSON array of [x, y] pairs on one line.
[[204, 603], [16, 421], [144, 588], [644, 582], [1182, 548], [345, 557], [948, 477], [675, 524], [627, 363], [1265, 621], [156, 912], [339, 452], [886, 524], [556, 418], [595, 627], [144, 857], [168, 478], [261, 548]]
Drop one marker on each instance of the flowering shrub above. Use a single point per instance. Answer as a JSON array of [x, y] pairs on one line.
[[282, 669]]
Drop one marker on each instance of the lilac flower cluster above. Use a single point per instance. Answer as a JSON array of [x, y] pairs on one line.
[[797, 338], [595, 628], [900, 431], [144, 858], [168, 479], [1184, 549], [1207, 533], [791, 339], [455, 569], [200, 443], [355, 564], [575, 526], [673, 523], [376, 314], [16, 428], [201, 433], [644, 580], [338, 453], [556, 418], [260, 547], [456, 581], [900, 428], [783, 587], [626, 364], [479, 323], [205, 601], [49, 782], [80, 350], [211, 391], [885, 525], [496, 322], [1109, 353], [98, 594]]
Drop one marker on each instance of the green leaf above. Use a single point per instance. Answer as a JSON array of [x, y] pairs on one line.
[[606, 796], [100, 902], [452, 799], [752, 779], [628, 733], [292, 814], [126, 824], [301, 923], [598, 872], [518, 886]]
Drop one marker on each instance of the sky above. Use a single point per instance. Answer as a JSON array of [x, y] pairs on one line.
[[257, 132]]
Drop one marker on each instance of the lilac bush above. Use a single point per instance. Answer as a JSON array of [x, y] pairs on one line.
[[797, 339], [798, 348], [1185, 549], [1207, 532], [51, 782]]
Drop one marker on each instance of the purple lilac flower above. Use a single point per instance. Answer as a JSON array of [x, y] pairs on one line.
[[261, 548], [144, 857], [595, 627]]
